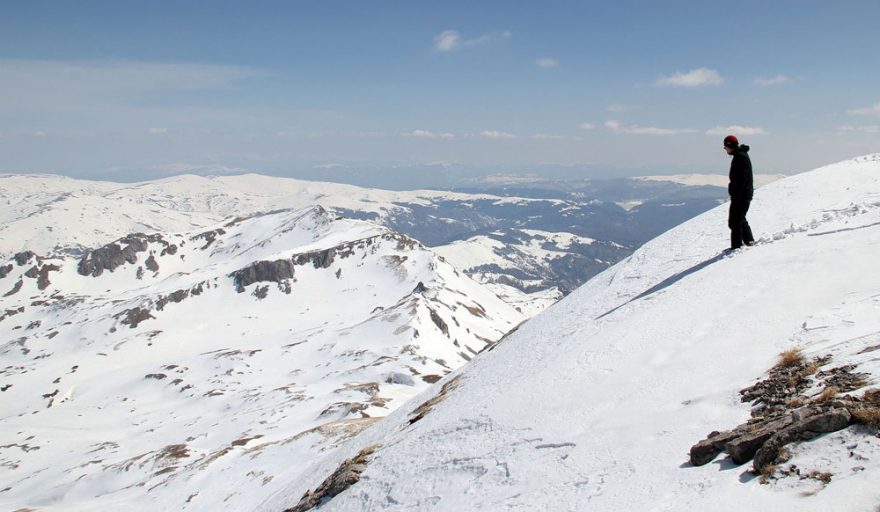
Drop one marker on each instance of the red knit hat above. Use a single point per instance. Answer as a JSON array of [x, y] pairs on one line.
[[731, 141]]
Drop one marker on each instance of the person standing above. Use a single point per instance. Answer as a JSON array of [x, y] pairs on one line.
[[740, 188]]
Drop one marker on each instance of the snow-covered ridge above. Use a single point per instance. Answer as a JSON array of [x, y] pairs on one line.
[[595, 403], [192, 368], [30, 203]]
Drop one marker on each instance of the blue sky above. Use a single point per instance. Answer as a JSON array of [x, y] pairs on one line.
[[132, 90]]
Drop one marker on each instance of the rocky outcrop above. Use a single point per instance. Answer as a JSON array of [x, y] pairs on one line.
[[151, 264], [15, 288], [116, 254], [41, 274], [22, 258], [209, 237], [262, 271], [5, 270], [347, 474], [174, 297], [132, 317], [783, 414]]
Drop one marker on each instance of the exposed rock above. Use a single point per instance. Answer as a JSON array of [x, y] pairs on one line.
[[261, 292], [41, 274], [11, 312], [319, 259], [15, 288], [174, 297], [343, 409], [115, 254], [420, 288], [209, 237], [435, 317], [23, 258], [261, 271], [426, 407], [831, 421], [134, 316], [152, 264], [171, 250], [5, 270], [347, 474], [782, 414]]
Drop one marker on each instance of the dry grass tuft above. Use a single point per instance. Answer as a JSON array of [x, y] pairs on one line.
[[794, 403], [869, 416], [767, 473], [790, 358], [813, 367], [828, 394], [822, 476], [872, 397]]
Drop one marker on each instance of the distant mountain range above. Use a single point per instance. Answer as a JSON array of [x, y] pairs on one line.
[[540, 238]]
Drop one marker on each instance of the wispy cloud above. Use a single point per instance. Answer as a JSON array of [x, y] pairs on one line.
[[425, 134], [700, 77], [736, 130], [451, 40], [330, 166], [492, 134], [634, 129], [864, 129], [617, 108], [587, 126], [866, 111], [547, 136], [157, 131], [775, 80], [547, 62]]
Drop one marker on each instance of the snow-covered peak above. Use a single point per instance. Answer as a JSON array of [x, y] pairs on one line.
[[595, 403], [201, 370]]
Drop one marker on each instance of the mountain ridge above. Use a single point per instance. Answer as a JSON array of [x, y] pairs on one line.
[[595, 403]]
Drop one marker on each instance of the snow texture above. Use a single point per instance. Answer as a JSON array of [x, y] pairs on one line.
[[201, 371], [593, 404]]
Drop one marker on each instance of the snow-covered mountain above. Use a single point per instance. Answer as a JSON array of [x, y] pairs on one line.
[[204, 369], [606, 400], [537, 243]]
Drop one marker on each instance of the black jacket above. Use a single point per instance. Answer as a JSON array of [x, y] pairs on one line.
[[741, 185]]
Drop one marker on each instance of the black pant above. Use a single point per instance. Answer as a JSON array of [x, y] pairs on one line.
[[740, 231]]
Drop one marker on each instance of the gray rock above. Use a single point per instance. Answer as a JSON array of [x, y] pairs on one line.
[[261, 271]]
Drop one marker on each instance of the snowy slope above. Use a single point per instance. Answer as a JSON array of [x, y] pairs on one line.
[[595, 403], [191, 371], [44, 212]]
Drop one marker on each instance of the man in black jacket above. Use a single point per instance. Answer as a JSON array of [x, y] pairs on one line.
[[740, 189]]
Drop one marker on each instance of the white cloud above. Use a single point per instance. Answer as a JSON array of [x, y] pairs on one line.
[[776, 80], [492, 134], [330, 166], [447, 41], [635, 129], [157, 131], [425, 134], [866, 111], [547, 136], [865, 129], [451, 40], [736, 130], [547, 62], [587, 126], [695, 78]]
